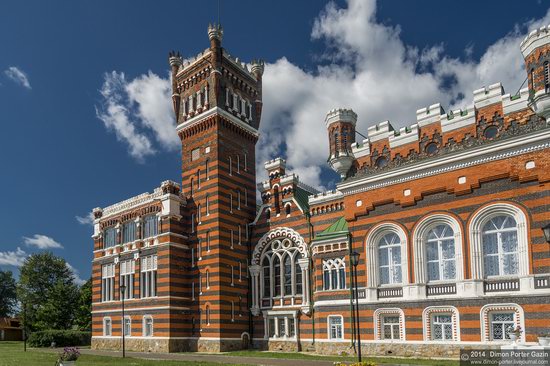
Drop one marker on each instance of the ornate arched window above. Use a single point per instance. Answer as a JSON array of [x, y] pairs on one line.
[[280, 269], [386, 256], [499, 242], [438, 249], [334, 274]]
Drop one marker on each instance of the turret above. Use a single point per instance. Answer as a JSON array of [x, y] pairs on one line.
[[257, 70], [175, 60], [341, 133], [536, 52]]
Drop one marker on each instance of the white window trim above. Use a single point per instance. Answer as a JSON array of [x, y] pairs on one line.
[[123, 319], [435, 310], [373, 238], [480, 218], [152, 326], [485, 312], [329, 329], [378, 313], [105, 328], [337, 264], [420, 233]]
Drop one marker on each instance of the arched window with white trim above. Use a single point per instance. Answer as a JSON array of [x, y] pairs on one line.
[[441, 323], [498, 321], [334, 274], [386, 256], [438, 249], [499, 242]]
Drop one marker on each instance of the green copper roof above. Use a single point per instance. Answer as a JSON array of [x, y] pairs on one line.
[[338, 228], [301, 196]]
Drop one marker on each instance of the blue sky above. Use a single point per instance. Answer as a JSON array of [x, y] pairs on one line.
[[66, 67]]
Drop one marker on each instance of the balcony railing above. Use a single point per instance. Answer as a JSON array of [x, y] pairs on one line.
[[384, 293], [542, 282], [441, 289], [501, 285]]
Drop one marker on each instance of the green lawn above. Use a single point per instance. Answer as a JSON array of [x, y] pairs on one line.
[[380, 360], [11, 354]]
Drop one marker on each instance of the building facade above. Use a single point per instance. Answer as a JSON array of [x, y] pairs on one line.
[[446, 216]]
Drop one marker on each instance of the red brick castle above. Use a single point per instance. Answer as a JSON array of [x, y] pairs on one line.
[[447, 217]]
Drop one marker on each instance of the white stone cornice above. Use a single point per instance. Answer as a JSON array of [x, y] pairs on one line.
[[483, 154], [213, 111]]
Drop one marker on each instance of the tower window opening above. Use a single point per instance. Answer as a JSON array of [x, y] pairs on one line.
[[533, 79], [546, 75]]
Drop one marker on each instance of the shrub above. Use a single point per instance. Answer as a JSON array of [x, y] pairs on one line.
[[62, 338]]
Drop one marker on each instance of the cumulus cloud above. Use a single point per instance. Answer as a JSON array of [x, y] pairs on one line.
[[76, 274], [41, 242], [13, 258], [139, 112], [85, 220], [366, 66], [18, 76]]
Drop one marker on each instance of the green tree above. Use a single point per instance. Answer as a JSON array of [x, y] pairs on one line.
[[8, 296], [47, 290], [83, 316]]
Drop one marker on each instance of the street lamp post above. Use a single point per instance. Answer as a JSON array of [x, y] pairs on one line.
[[355, 261], [122, 296]]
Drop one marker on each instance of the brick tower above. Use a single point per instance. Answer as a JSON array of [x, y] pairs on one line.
[[217, 100], [340, 124]]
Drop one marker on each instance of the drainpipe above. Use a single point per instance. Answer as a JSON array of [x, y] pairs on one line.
[[312, 283], [351, 287]]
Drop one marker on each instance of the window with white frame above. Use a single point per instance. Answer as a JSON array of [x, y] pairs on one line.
[[207, 169], [129, 231], [232, 276], [207, 314], [232, 237], [389, 259], [127, 326], [440, 253], [108, 282], [207, 279], [109, 239], [240, 231], [207, 205], [442, 327], [107, 327], [199, 247], [199, 214], [281, 273], [147, 326], [334, 274], [127, 270], [199, 179], [390, 327], [502, 324], [150, 226], [335, 327], [232, 311], [149, 276], [281, 326], [389, 324], [499, 241], [500, 246], [208, 241]]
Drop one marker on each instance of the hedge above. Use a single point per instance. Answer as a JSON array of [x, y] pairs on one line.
[[62, 338]]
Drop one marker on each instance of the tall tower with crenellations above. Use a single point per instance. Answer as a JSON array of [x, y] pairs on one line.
[[217, 101], [536, 52]]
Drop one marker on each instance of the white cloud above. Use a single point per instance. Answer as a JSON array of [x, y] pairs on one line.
[[85, 220], [366, 66], [76, 274], [139, 111], [15, 258], [42, 242], [18, 76]]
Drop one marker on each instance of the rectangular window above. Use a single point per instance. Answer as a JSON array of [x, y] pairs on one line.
[[282, 330], [502, 324], [335, 327], [192, 257], [240, 271], [150, 226], [110, 237], [390, 327], [232, 276], [208, 241], [149, 276], [193, 222], [108, 282], [127, 326], [127, 270], [232, 311], [107, 327], [240, 234], [291, 330], [271, 327], [232, 235], [195, 154], [147, 326], [192, 290], [128, 231], [442, 327]]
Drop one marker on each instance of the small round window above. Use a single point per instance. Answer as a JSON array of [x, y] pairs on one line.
[[431, 148], [381, 162], [490, 132]]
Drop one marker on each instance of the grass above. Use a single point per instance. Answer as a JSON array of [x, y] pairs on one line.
[[11, 354], [378, 360]]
